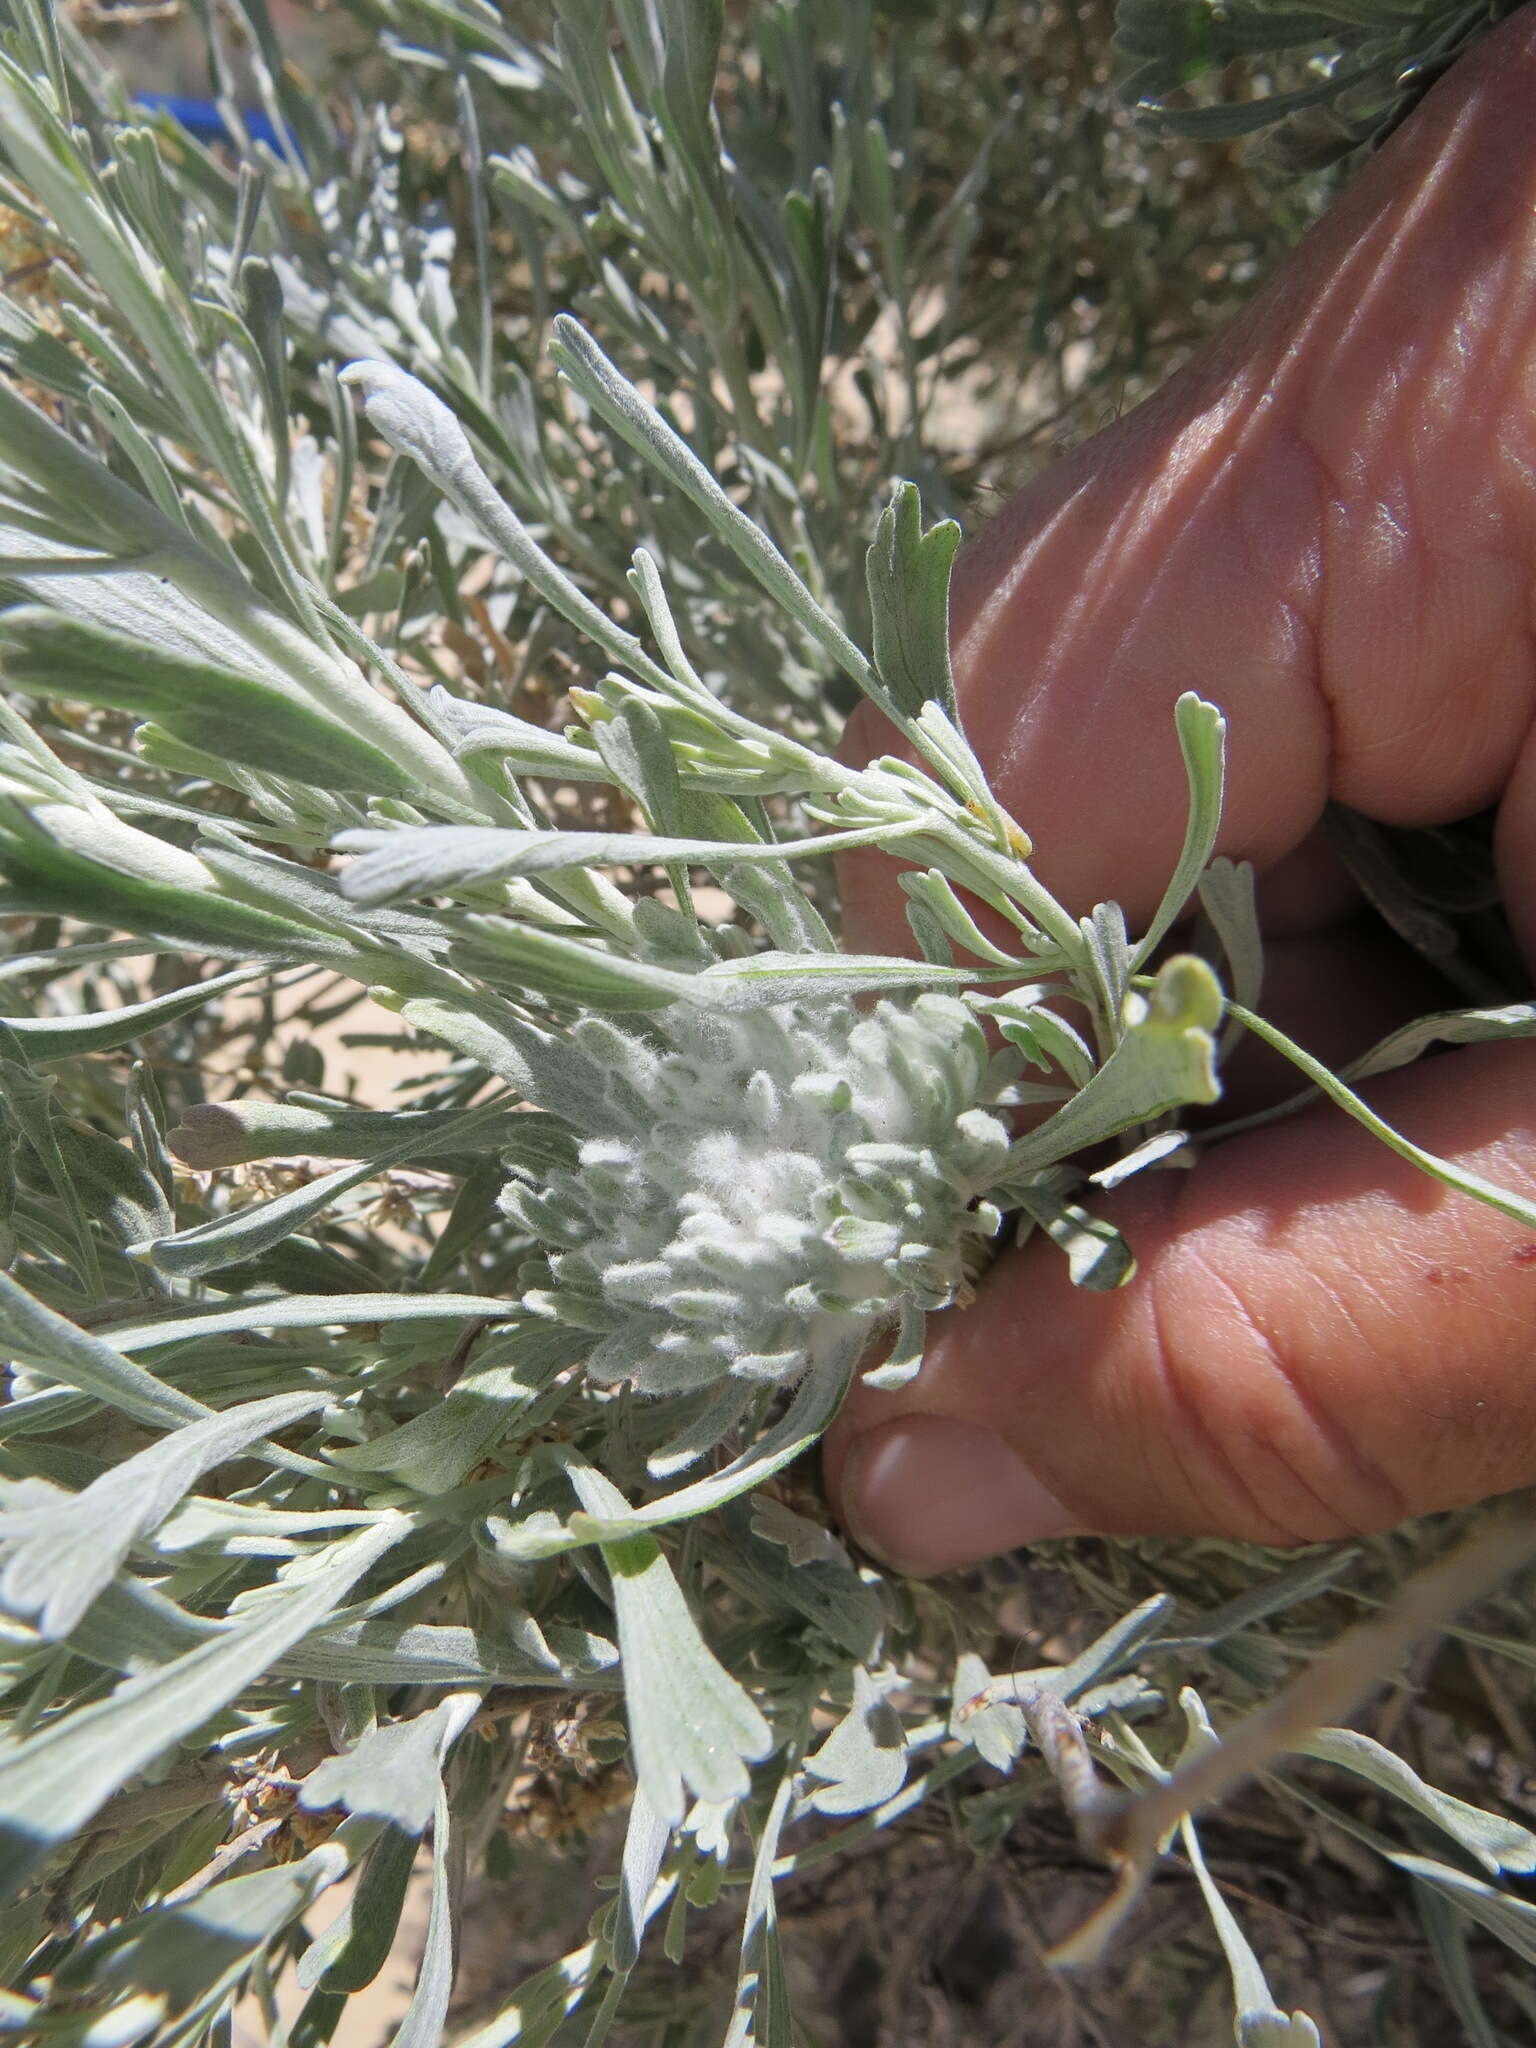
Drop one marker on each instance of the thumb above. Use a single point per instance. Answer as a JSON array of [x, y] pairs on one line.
[[1319, 1341]]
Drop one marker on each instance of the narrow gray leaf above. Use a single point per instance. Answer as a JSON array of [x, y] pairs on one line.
[[60, 1554]]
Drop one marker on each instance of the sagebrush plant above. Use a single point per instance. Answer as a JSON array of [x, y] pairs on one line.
[[327, 1487]]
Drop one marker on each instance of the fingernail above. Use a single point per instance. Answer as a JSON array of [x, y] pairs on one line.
[[929, 1494]]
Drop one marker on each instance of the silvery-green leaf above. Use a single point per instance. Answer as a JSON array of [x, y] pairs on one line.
[[778, 902], [1274, 1595], [904, 1360], [426, 2016], [760, 2002], [36, 1336], [1447, 1932], [932, 890], [1111, 1651], [908, 576], [62, 1038], [1512, 1919], [352, 1950], [236, 715], [133, 1628], [767, 978], [122, 880], [145, 1118], [644, 429], [807, 1542], [574, 971], [1446, 1171], [840, 1603], [113, 1184], [433, 1451], [690, 1723], [996, 1731], [1259, 2021], [545, 1070], [1098, 1257], [438, 859], [1106, 959], [53, 1780], [186, 1952], [639, 756], [527, 749], [1202, 735], [417, 423], [1026, 1021], [1227, 898], [1496, 1842], [702, 1429], [517, 174], [395, 1773], [153, 473], [1150, 1152], [59, 1554], [533, 2015], [115, 1187], [244, 1528], [1165, 1060], [387, 1652], [646, 581], [247, 1232], [691, 37], [158, 585], [56, 960], [281, 1312], [645, 1844], [945, 745], [815, 1402], [214, 1134], [299, 894], [863, 1762], [1446, 1027]]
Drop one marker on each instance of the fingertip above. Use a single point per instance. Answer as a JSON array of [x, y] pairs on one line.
[[931, 1493]]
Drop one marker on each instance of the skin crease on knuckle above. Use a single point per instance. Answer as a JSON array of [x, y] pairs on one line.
[[1385, 1334], [1326, 524]]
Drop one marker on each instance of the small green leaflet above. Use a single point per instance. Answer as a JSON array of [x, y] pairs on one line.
[[908, 576], [1165, 1060], [1202, 735]]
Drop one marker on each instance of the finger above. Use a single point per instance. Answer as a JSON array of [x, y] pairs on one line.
[[1319, 1341], [1326, 523]]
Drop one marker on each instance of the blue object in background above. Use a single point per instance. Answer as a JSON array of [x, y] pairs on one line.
[[203, 119]]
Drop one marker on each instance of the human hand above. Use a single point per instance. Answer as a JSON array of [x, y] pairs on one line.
[[1327, 525]]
